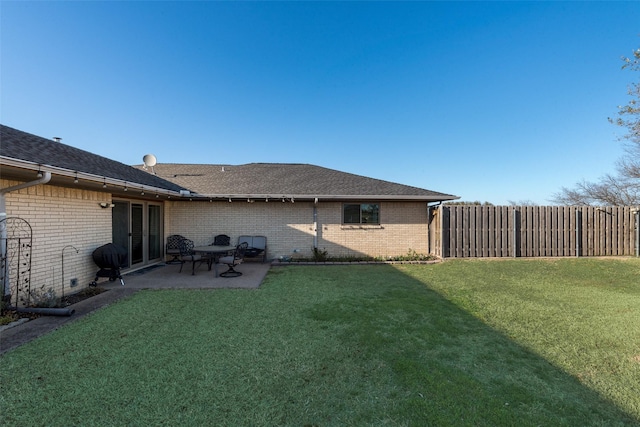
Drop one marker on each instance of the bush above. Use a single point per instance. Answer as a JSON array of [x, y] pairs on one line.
[[412, 255], [41, 298], [320, 255], [323, 256]]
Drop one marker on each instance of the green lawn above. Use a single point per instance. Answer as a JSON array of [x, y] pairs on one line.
[[473, 342]]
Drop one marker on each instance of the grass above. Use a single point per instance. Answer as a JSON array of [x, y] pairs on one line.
[[477, 343]]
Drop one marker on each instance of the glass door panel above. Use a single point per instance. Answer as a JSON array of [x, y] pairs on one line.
[[137, 233], [120, 225], [155, 232]]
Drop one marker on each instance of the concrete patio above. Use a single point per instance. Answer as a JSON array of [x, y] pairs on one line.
[[167, 276]]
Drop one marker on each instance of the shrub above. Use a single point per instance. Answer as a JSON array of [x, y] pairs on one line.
[[320, 255], [40, 297], [412, 255]]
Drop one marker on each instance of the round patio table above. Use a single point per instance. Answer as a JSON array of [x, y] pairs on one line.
[[215, 253]]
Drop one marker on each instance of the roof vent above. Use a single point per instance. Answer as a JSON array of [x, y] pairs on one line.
[[57, 139]]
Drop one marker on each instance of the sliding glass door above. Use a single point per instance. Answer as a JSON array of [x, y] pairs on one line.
[[137, 226]]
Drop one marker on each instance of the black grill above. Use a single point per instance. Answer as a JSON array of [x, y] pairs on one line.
[[110, 258]]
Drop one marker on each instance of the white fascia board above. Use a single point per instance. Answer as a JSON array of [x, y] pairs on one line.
[[325, 197], [99, 179]]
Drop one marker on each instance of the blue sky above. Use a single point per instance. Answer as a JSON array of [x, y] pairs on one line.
[[490, 101]]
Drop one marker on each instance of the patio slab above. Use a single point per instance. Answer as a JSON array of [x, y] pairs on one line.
[[166, 276]]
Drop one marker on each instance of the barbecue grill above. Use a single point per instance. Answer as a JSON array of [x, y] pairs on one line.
[[110, 258]]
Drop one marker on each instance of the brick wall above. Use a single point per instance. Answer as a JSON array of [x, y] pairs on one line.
[[59, 217], [403, 227], [289, 227]]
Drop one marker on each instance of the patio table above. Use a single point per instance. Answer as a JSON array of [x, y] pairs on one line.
[[215, 253]]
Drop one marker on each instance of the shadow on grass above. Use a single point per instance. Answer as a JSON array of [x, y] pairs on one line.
[[331, 345], [455, 369]]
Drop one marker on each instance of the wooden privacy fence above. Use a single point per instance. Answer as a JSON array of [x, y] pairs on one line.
[[461, 231]]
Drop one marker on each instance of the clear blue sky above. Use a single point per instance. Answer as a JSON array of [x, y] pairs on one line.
[[490, 101]]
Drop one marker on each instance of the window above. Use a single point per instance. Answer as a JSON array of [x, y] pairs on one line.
[[362, 213]]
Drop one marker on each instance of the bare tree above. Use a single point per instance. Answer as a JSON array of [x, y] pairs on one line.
[[526, 202], [623, 187], [467, 203]]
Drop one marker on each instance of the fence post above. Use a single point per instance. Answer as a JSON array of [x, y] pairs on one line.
[[578, 232], [637, 232], [515, 232], [435, 231]]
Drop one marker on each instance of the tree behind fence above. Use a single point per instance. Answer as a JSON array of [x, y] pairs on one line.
[[533, 231]]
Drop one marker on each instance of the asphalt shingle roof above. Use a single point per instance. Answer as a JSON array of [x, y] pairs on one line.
[[280, 179], [253, 179], [21, 145]]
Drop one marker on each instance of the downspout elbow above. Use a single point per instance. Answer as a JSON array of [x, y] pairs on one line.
[[46, 177]]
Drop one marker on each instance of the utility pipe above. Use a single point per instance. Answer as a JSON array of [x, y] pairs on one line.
[[44, 311], [315, 223]]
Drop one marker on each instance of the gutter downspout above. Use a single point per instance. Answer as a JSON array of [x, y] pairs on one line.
[[315, 223], [4, 274]]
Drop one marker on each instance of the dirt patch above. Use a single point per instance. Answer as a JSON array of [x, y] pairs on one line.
[[84, 294]]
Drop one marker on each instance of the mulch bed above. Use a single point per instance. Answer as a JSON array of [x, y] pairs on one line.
[[8, 316]]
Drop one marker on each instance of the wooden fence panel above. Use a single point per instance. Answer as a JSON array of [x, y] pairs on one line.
[[472, 244], [593, 223], [459, 230], [626, 241], [504, 230], [532, 231], [569, 231], [527, 227]]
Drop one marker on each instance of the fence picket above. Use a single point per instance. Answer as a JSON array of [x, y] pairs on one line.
[[532, 231]]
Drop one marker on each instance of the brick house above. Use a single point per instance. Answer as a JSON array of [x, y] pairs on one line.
[[78, 200]]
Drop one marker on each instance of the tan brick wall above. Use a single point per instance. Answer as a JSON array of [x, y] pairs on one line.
[[403, 227], [289, 227], [60, 217]]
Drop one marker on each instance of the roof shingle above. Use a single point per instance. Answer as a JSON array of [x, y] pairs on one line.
[[281, 179], [248, 180], [24, 146]]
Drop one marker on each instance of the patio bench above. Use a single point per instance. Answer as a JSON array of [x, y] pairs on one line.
[[256, 246]]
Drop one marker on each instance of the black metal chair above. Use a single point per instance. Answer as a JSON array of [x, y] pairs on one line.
[[188, 255], [173, 248], [222, 240], [257, 246], [233, 260]]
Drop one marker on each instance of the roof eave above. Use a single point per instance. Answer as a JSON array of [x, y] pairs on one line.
[[326, 197], [87, 177]]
